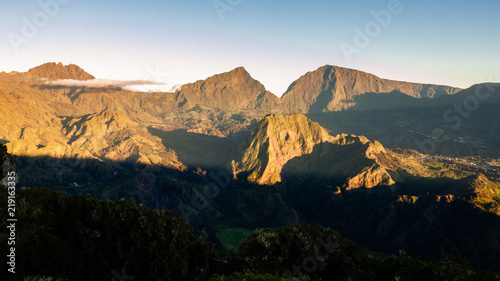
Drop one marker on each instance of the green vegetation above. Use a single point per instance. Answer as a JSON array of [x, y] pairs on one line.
[[231, 238], [80, 238], [238, 116], [317, 253], [441, 166]]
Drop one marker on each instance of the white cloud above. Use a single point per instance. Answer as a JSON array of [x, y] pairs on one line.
[[131, 85], [153, 88]]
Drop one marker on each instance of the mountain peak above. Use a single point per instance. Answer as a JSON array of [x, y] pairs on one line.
[[239, 74], [333, 88], [240, 70], [278, 139], [232, 90], [52, 70], [289, 145]]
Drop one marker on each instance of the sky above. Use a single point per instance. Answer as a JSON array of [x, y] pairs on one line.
[[445, 42]]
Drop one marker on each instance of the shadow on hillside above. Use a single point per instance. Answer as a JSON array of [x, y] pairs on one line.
[[375, 218], [163, 188], [327, 165], [60, 172], [478, 134], [385, 101], [198, 150]]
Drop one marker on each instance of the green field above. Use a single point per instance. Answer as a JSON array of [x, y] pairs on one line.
[[231, 238]]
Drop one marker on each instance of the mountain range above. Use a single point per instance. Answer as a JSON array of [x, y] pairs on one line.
[[391, 165], [329, 88]]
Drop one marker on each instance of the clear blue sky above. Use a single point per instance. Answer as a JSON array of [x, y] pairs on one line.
[[444, 42]]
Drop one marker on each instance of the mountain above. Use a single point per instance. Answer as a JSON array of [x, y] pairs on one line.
[[87, 148], [233, 90], [278, 139], [373, 195], [326, 89], [329, 88], [483, 93], [463, 124], [232, 104], [423, 223], [479, 190], [292, 146], [52, 70], [222, 153], [333, 88]]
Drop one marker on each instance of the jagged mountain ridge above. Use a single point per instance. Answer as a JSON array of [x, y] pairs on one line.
[[34, 113], [329, 88], [233, 90], [372, 195], [31, 104], [59, 71], [278, 139], [333, 88], [292, 146], [89, 147]]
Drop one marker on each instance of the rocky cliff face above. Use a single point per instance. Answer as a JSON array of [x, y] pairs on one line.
[[233, 90], [295, 148], [372, 195], [87, 149], [278, 139], [480, 191], [54, 70], [329, 88], [332, 88]]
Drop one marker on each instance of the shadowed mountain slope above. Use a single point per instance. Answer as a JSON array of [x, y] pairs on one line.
[[302, 145], [332, 88]]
